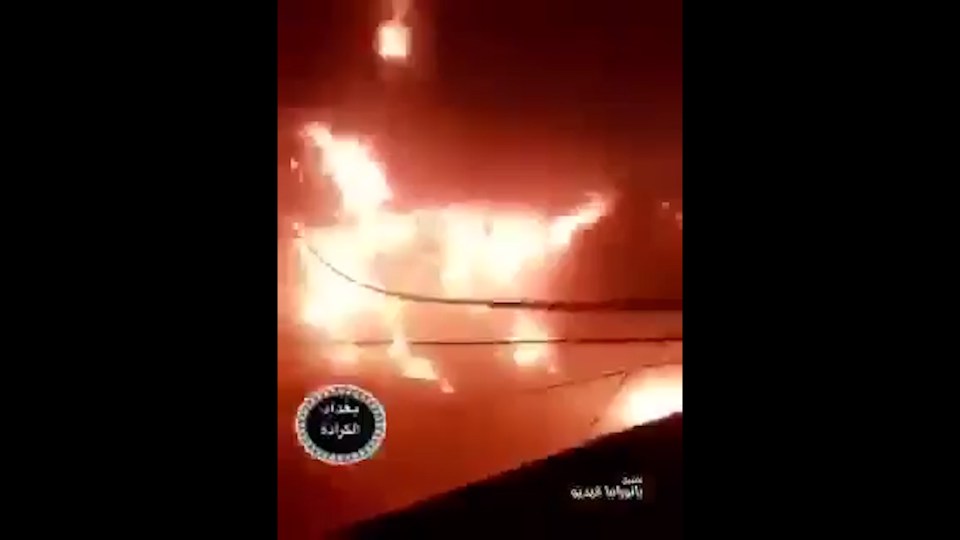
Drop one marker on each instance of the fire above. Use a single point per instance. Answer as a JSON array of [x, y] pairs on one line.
[[526, 354], [654, 394], [393, 40], [452, 251]]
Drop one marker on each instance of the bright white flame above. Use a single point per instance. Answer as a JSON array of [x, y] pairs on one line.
[[393, 40]]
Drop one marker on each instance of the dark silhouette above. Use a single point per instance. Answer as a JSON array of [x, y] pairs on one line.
[[535, 501]]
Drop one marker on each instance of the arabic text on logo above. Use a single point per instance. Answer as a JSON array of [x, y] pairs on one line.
[[341, 424]]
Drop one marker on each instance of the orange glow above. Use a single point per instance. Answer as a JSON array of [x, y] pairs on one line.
[[526, 328], [453, 251], [654, 394]]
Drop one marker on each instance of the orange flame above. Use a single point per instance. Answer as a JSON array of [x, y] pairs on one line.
[[476, 251], [653, 394]]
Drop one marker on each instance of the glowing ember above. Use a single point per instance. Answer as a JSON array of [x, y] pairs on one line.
[[452, 251], [418, 368], [393, 41], [655, 394], [525, 354]]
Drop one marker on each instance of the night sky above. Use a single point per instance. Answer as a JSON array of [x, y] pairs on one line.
[[605, 68]]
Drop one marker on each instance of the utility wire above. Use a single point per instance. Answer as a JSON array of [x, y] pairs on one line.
[[622, 376], [611, 305], [497, 342]]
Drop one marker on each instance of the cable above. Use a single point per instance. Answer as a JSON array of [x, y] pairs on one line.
[[612, 305], [623, 375], [496, 342], [575, 382]]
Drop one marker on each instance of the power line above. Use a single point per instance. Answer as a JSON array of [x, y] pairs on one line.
[[623, 376], [611, 305], [505, 342]]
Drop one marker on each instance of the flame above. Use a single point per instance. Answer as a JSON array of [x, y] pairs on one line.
[[655, 394], [526, 328], [393, 40], [454, 251]]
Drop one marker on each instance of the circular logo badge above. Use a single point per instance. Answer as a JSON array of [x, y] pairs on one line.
[[341, 424]]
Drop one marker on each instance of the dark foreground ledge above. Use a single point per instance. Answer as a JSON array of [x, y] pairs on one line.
[[536, 501]]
